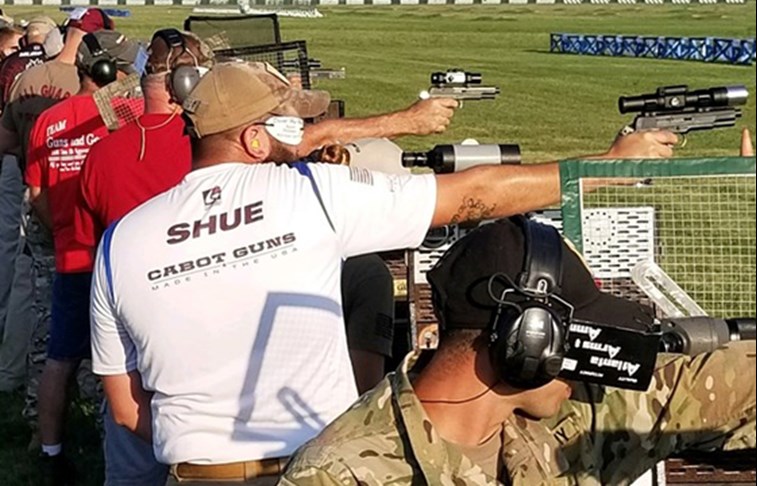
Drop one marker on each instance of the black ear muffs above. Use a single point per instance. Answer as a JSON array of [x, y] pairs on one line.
[[181, 79], [528, 336], [103, 70], [529, 348]]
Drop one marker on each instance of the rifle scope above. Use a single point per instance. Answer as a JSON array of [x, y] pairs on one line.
[[444, 159], [455, 76], [695, 335], [674, 98]]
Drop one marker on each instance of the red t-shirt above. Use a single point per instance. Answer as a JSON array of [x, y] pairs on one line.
[[115, 180], [58, 144]]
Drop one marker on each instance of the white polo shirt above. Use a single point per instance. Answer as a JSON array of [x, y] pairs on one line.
[[224, 293]]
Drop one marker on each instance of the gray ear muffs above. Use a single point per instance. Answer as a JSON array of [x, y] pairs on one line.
[[182, 80]]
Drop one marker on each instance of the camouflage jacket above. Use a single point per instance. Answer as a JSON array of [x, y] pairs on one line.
[[600, 436]]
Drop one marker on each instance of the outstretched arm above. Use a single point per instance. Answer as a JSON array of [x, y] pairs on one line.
[[498, 191], [703, 403], [421, 118]]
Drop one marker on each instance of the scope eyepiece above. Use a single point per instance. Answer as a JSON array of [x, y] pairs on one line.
[[672, 343], [675, 98], [455, 76]]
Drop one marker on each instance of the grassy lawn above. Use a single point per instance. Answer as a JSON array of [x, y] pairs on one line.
[[555, 106], [18, 467]]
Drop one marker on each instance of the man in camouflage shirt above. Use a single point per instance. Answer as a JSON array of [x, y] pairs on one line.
[[453, 421]]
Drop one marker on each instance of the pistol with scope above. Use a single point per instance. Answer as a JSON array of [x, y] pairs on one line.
[[459, 85], [680, 110]]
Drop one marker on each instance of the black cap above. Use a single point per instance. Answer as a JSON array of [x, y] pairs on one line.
[[459, 282]]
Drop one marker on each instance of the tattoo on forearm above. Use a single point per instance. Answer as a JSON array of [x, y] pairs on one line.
[[472, 209]]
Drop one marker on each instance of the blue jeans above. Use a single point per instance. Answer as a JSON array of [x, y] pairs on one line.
[[129, 461], [16, 322]]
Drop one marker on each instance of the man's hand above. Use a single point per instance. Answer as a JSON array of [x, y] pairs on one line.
[[747, 149], [425, 117], [648, 144]]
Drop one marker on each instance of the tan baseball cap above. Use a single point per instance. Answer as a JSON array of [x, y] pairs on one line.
[[192, 50], [233, 94], [40, 25]]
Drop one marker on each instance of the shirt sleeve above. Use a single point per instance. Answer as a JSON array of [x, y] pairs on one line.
[[309, 476], [36, 157], [703, 403], [113, 351], [373, 211]]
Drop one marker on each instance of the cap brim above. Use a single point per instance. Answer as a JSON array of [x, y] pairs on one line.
[[615, 311], [303, 103], [126, 58]]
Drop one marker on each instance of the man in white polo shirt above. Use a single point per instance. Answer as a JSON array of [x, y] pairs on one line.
[[216, 316]]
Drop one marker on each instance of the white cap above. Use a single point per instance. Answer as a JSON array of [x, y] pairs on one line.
[[53, 43]]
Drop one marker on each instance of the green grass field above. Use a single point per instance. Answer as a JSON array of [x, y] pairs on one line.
[[554, 106]]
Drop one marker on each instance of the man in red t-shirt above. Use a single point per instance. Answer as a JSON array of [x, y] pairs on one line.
[[58, 145], [150, 154]]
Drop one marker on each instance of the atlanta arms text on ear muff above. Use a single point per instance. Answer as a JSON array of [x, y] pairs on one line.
[[181, 79], [528, 335], [103, 70]]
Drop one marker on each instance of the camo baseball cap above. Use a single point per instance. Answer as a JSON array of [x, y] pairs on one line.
[[459, 281], [164, 57], [233, 94], [115, 45]]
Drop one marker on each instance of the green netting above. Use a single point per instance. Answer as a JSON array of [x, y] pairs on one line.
[[694, 217]]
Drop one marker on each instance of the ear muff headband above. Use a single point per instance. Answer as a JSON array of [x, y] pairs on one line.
[[103, 70], [528, 338]]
